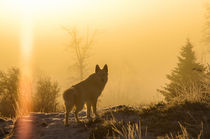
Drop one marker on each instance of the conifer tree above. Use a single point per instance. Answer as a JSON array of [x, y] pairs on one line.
[[186, 77]]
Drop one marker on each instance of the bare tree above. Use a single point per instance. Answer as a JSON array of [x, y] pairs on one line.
[[81, 46]]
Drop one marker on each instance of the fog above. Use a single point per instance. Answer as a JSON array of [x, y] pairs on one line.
[[138, 40]]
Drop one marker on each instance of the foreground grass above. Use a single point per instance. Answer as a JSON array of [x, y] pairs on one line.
[[176, 120]]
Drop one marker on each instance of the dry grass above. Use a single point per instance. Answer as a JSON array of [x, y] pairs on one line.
[[183, 135], [176, 120], [134, 131], [165, 118], [129, 131]]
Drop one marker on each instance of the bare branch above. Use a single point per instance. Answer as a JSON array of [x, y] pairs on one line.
[[81, 47]]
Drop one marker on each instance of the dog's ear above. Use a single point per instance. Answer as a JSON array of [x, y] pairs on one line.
[[105, 68], [97, 68]]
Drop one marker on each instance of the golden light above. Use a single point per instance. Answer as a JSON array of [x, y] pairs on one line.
[[28, 12], [26, 47]]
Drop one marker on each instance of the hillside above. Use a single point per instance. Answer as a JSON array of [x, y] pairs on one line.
[[187, 119]]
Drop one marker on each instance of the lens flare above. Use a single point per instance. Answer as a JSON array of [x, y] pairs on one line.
[[25, 82], [26, 46]]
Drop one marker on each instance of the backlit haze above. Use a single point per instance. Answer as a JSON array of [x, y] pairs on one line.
[[139, 40]]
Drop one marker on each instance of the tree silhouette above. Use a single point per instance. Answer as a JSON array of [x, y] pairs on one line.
[[9, 92], [47, 92], [187, 76], [81, 47]]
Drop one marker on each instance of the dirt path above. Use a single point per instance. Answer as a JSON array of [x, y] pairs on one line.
[[51, 126], [48, 126]]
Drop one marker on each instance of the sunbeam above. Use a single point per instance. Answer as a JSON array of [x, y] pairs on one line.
[[25, 83]]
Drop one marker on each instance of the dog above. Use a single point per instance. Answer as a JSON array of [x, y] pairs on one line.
[[85, 92]]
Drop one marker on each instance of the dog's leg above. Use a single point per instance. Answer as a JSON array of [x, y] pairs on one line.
[[78, 109], [76, 116], [94, 107], [69, 107], [88, 110], [67, 118], [67, 113]]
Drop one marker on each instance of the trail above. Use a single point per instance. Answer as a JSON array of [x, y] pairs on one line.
[[49, 126]]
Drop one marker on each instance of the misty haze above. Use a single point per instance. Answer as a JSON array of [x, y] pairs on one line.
[[105, 60]]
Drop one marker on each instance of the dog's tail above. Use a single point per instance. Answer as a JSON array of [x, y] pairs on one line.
[[68, 96]]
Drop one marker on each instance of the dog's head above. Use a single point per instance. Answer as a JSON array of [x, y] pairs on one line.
[[102, 74]]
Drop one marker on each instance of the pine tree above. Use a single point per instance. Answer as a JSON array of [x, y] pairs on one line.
[[187, 76]]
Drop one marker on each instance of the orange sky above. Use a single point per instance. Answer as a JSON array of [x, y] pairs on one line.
[[139, 40]]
